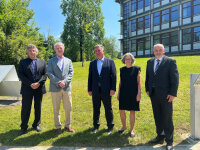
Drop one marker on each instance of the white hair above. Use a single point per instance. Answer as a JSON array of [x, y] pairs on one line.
[[31, 46], [128, 54], [99, 46], [159, 45], [59, 43]]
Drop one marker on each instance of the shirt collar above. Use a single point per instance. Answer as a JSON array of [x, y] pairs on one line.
[[60, 58], [160, 58], [101, 59]]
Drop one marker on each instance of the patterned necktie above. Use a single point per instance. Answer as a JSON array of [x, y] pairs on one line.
[[157, 65], [34, 68]]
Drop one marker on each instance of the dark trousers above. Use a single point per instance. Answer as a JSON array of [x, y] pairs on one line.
[[162, 111], [26, 109], [106, 99]]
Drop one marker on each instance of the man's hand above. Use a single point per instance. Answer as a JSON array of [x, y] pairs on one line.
[[62, 84], [35, 85], [112, 92], [170, 98], [148, 93], [90, 93]]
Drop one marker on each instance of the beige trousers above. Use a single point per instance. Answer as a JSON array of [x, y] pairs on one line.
[[67, 105]]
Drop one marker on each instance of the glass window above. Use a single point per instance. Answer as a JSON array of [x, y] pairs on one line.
[[126, 47], [147, 21], [147, 3], [156, 19], [133, 25], [188, 4], [174, 13], [140, 23], [156, 1], [126, 24], [186, 12], [196, 1], [140, 44], [156, 39], [140, 4], [196, 34], [126, 10], [187, 36], [196, 10], [174, 38], [165, 39], [147, 43], [165, 16], [133, 5], [133, 46]]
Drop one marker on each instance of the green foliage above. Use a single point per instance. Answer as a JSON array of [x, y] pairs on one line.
[[110, 47], [17, 30], [84, 27]]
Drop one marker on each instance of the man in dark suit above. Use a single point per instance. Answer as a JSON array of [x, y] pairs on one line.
[[162, 79], [32, 72], [102, 86]]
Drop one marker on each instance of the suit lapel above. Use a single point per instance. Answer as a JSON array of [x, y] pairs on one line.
[[96, 69], [103, 65], [162, 63], [152, 65], [57, 63]]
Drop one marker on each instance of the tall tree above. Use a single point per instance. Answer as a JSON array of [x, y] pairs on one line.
[[84, 27], [17, 30], [111, 47]]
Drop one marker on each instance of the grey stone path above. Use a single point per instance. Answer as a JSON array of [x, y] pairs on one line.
[[195, 146]]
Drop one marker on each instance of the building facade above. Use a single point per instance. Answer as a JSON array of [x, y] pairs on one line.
[[174, 23]]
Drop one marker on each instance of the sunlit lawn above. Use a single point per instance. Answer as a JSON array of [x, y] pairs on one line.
[[82, 114]]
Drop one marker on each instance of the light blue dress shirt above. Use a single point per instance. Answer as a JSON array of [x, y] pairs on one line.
[[61, 62], [155, 62], [99, 65]]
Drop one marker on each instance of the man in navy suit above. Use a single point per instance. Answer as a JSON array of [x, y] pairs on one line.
[[102, 86], [32, 72], [162, 79]]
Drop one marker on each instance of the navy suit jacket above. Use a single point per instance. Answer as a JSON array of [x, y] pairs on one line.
[[107, 78], [166, 78], [26, 76]]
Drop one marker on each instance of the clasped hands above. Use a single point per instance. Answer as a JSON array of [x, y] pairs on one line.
[[35, 85], [169, 97], [62, 84]]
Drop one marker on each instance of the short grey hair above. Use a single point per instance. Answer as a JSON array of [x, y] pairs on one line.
[[99, 46], [59, 43], [31, 46], [159, 45], [128, 54]]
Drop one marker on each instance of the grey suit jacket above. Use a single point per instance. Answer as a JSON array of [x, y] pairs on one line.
[[55, 74]]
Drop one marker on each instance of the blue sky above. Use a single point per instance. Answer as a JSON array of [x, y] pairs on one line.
[[48, 16]]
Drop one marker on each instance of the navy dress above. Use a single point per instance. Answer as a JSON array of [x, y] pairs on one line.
[[129, 88]]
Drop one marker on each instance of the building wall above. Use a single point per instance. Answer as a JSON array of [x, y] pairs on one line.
[[174, 23]]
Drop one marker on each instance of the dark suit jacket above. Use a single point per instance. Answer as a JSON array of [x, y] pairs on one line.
[[26, 76], [166, 78], [107, 77]]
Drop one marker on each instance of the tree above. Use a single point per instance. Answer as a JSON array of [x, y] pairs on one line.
[[111, 48], [17, 30], [84, 28]]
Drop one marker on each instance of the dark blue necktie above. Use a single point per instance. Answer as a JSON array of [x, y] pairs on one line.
[[157, 65], [34, 68]]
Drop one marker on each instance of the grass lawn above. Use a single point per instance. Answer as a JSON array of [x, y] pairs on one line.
[[82, 114]]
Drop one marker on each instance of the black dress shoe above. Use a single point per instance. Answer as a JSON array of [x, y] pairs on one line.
[[37, 128], [22, 131], [121, 131], [59, 131], [158, 140], [109, 131], [94, 130], [169, 147]]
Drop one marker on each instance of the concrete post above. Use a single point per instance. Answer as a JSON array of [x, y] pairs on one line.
[[195, 105]]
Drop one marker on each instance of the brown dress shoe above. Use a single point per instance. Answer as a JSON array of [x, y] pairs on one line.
[[59, 131], [69, 129]]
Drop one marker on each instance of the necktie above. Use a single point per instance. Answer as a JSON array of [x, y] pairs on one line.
[[34, 68], [157, 65]]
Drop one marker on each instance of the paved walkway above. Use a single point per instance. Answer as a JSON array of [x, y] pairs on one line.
[[195, 146]]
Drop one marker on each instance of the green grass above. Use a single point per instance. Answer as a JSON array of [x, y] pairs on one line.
[[82, 114]]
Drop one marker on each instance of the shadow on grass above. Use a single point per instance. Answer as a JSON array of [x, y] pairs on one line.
[[12, 138]]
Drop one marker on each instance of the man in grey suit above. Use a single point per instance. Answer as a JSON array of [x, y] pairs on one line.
[[162, 79], [60, 72]]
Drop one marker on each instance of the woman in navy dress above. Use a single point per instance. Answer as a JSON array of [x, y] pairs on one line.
[[129, 93]]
